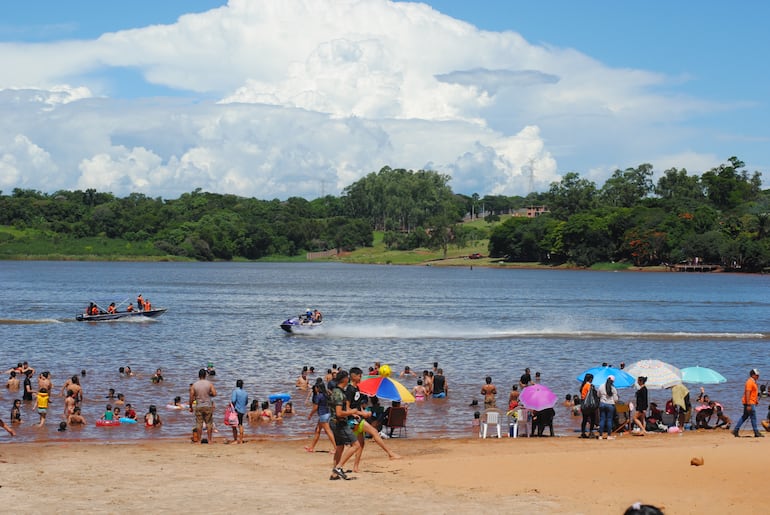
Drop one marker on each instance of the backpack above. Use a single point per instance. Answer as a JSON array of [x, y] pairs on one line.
[[592, 399]]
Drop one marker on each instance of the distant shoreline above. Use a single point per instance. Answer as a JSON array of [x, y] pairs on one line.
[[456, 262]]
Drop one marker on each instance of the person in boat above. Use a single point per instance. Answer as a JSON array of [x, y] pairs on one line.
[[130, 307], [111, 309], [147, 306], [139, 302], [90, 309]]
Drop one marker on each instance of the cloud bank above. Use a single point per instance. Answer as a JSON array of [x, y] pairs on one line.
[[281, 99]]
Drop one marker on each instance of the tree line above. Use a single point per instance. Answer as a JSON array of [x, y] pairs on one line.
[[720, 217]]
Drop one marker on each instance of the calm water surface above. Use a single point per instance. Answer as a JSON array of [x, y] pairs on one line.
[[473, 322]]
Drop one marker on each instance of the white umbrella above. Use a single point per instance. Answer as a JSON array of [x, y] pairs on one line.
[[659, 374]]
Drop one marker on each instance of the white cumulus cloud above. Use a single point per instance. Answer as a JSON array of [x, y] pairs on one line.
[[303, 98]]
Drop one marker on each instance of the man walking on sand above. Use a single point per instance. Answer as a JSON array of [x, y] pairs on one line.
[[750, 400], [201, 392], [343, 434], [354, 399]]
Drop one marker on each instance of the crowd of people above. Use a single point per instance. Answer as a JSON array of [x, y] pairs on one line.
[[603, 414], [347, 418]]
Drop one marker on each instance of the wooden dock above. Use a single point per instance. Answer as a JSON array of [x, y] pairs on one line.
[[695, 268]]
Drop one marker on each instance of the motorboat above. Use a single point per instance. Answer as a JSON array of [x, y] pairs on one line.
[[108, 317]]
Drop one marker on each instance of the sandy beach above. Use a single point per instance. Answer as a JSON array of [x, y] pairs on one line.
[[523, 475]]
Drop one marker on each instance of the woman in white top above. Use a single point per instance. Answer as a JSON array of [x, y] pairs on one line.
[[608, 395]]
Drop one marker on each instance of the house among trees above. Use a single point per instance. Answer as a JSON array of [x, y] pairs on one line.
[[531, 211]]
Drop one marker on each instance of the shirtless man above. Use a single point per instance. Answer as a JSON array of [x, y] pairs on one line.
[[302, 382], [44, 381], [73, 384], [13, 382], [489, 391], [75, 418]]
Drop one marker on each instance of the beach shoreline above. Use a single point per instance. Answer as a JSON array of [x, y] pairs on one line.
[[527, 475]]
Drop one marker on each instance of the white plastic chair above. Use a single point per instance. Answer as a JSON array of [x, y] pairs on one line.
[[515, 417], [491, 418]]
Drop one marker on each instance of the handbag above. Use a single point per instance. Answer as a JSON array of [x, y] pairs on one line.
[[231, 416], [592, 399]]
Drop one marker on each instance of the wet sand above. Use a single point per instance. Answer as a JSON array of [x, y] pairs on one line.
[[523, 475]]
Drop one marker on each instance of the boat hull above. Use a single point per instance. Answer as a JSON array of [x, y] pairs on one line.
[[108, 317], [294, 325]]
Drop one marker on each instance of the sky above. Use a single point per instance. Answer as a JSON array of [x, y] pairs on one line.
[[272, 99]]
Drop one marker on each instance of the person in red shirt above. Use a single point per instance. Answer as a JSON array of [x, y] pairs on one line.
[[750, 400]]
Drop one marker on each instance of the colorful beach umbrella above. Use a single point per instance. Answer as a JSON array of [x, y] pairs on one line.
[[622, 378], [659, 374], [385, 388], [702, 375], [537, 397]]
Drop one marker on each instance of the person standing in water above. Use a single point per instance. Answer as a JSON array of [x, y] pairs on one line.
[[201, 393]]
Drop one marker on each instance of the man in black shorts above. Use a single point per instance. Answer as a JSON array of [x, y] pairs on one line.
[[343, 433]]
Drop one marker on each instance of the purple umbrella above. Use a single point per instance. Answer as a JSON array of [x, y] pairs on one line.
[[537, 397]]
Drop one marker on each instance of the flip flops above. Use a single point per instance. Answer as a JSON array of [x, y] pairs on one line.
[[341, 473]]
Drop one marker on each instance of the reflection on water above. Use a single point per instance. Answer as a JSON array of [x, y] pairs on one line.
[[473, 322]]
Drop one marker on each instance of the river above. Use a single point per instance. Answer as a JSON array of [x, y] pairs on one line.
[[474, 321]]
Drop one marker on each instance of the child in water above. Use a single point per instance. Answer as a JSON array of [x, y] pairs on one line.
[[41, 403], [108, 414], [152, 419], [16, 412]]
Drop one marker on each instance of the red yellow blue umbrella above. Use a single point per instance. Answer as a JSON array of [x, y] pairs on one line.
[[385, 388]]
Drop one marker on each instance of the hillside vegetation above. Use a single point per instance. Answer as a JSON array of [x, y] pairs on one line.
[[405, 217]]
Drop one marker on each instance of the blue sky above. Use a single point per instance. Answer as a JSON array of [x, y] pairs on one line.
[[243, 100]]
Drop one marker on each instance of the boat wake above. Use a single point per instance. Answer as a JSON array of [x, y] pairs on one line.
[[401, 331], [22, 321]]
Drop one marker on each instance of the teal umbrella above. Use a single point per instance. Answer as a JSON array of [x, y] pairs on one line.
[[702, 375]]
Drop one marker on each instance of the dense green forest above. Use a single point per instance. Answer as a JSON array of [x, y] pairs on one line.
[[719, 217]]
